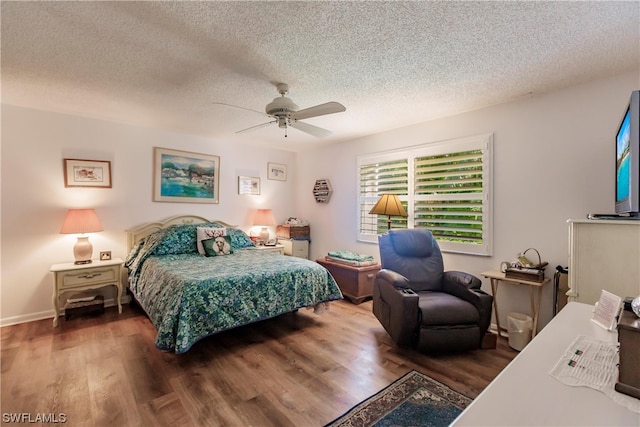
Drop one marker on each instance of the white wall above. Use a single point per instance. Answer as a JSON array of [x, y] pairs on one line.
[[35, 201], [553, 160], [553, 157]]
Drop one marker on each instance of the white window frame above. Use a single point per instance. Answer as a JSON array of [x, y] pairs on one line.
[[482, 142]]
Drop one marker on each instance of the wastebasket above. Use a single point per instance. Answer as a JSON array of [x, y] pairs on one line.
[[519, 327]]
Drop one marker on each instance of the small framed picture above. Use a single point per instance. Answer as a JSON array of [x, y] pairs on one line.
[[105, 256], [87, 173], [249, 185], [276, 171]]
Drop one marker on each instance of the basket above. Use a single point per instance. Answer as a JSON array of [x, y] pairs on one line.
[[532, 273], [299, 232]]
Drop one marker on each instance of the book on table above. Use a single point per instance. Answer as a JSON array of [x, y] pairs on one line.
[[528, 274]]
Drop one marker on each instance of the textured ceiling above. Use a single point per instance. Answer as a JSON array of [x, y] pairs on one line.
[[168, 64]]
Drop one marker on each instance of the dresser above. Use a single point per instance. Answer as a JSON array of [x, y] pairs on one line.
[[525, 394], [603, 254], [79, 277]]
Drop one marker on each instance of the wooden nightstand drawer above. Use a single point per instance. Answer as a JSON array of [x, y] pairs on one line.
[[89, 277]]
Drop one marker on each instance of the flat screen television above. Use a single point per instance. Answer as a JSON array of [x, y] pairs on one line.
[[628, 160]]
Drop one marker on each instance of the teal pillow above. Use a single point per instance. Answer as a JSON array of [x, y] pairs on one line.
[[218, 246]]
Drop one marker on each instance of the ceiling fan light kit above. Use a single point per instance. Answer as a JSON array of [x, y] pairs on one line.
[[285, 113]]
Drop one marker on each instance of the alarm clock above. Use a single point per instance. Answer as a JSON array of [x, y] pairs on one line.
[[504, 266]]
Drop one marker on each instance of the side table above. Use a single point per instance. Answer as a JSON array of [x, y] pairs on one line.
[[275, 248], [79, 277], [497, 276]]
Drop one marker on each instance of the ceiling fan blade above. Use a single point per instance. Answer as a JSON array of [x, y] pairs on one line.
[[257, 126], [310, 129], [236, 106], [318, 110]]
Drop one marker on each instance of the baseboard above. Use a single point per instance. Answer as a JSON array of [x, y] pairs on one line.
[[493, 328], [32, 317]]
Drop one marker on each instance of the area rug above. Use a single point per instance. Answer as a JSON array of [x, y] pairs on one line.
[[412, 400]]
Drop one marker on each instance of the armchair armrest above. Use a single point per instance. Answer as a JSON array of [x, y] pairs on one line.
[[467, 287], [462, 285], [394, 278], [467, 280], [396, 306]]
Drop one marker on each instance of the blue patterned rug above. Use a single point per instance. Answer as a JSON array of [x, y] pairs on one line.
[[412, 400]]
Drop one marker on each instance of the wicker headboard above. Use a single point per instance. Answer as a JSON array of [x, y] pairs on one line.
[[140, 232]]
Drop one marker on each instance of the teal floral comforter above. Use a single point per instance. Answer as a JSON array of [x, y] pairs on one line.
[[188, 296]]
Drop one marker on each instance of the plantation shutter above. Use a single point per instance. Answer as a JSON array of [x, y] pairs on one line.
[[445, 187], [377, 177], [449, 197]]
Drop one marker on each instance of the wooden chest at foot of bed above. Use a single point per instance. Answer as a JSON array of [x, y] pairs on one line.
[[356, 283]]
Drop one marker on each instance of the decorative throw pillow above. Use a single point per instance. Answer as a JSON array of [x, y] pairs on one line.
[[206, 233], [217, 246], [239, 238], [176, 239]]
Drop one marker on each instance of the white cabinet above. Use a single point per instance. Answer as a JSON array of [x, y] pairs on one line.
[[298, 248], [603, 254]]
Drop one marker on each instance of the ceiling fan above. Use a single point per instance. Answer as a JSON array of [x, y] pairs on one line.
[[285, 113]]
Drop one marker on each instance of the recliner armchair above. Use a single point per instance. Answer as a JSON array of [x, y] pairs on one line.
[[421, 305]]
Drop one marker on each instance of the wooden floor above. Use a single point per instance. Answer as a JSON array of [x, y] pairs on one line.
[[300, 369]]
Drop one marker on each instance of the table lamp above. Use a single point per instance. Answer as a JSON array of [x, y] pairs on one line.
[[389, 204], [80, 221], [264, 218]]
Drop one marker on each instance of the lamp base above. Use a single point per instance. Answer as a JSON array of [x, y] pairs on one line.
[[82, 251], [264, 235]]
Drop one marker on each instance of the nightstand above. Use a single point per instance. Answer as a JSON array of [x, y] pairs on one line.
[[72, 277], [277, 248]]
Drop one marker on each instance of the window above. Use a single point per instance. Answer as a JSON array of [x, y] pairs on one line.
[[445, 187]]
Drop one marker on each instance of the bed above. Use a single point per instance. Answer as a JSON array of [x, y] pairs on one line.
[[189, 291]]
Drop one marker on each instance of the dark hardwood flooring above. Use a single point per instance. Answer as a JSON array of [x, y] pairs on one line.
[[299, 369]]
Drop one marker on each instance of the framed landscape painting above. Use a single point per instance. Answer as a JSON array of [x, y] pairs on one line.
[[185, 177]]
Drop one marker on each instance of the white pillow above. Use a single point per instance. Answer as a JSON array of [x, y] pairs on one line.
[[205, 233]]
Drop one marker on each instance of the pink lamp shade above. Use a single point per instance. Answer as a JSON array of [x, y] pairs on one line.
[[80, 221], [264, 218]]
